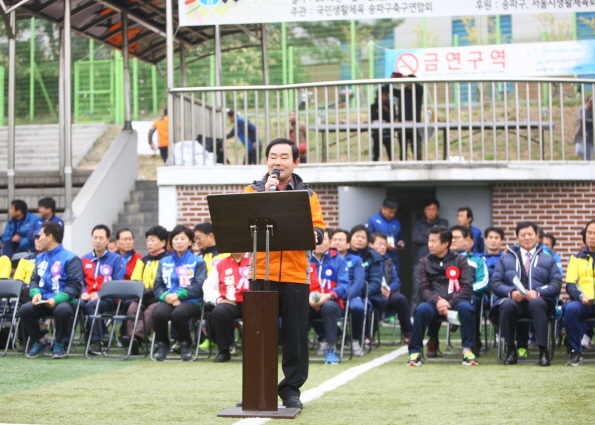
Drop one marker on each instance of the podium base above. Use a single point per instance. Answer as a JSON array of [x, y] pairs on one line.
[[282, 413]]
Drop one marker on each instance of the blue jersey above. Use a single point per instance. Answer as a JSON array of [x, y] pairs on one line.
[[57, 272], [392, 229], [183, 276]]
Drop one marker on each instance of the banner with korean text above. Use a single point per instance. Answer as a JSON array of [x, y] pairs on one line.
[[492, 61], [229, 12]]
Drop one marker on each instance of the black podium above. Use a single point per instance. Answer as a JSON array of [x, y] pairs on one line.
[[261, 222]]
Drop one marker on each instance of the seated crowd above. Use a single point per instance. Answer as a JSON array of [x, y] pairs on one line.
[[461, 275]]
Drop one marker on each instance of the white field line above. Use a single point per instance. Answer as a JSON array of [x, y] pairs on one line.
[[336, 382]]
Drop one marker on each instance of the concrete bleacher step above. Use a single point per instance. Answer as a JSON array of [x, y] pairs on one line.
[[141, 212]]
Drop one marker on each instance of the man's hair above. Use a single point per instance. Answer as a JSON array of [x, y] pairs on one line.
[[125, 229], [390, 203], [468, 211], [47, 203], [429, 202], [375, 235], [494, 229], [444, 233], [524, 224], [165, 112], [552, 237], [104, 227], [181, 229], [584, 231], [53, 228], [465, 231], [205, 227], [339, 230], [295, 150], [359, 227], [159, 231], [19, 205], [231, 113]]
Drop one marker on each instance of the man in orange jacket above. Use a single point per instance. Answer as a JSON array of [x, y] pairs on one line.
[[288, 271], [160, 126]]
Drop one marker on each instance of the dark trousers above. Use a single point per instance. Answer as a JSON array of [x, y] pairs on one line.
[[397, 302], [164, 152], [538, 310], [574, 315], [220, 320], [293, 311], [330, 312], [179, 317], [427, 313], [63, 314], [105, 306], [385, 142], [356, 305], [409, 142], [252, 157]]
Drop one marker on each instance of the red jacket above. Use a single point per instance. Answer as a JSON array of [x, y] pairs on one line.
[[228, 280]]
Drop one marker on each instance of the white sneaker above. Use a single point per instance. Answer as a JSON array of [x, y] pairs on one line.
[[357, 349], [586, 341], [321, 350]]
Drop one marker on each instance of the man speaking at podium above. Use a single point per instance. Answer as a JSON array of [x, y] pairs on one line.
[[288, 271]]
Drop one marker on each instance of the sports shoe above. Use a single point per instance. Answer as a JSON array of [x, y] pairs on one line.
[[586, 341], [331, 356], [432, 347], [522, 354], [185, 352], [222, 357], [469, 359], [321, 350], [95, 348], [206, 344], [390, 320], [162, 351], [58, 351], [37, 350], [414, 359], [357, 349], [574, 358]]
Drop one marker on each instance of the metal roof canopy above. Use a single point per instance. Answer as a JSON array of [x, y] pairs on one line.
[[101, 20]]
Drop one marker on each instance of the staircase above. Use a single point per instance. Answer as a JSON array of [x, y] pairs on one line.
[[141, 212]]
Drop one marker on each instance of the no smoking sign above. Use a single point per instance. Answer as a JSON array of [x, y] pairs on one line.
[[406, 64]]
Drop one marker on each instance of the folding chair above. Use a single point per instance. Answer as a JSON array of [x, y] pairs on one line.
[[531, 356], [120, 290], [10, 295], [196, 325]]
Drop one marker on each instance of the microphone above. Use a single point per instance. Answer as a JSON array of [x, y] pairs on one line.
[[275, 173]]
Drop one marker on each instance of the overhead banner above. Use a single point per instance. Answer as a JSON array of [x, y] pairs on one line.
[[229, 12], [501, 60]]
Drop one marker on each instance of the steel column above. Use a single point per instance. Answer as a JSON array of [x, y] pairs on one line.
[[169, 41], [11, 103], [126, 57], [67, 107]]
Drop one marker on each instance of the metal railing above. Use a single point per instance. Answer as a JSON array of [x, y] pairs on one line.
[[506, 120]]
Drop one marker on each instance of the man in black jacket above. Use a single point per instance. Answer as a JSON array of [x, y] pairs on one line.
[[445, 282]]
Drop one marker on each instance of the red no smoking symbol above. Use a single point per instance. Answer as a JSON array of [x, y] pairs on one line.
[[406, 64]]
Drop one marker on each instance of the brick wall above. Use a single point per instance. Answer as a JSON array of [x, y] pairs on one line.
[[561, 209], [193, 207]]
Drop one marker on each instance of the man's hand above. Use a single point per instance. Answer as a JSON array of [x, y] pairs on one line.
[[517, 296], [531, 295], [51, 303], [586, 301], [442, 305], [226, 301], [271, 181], [323, 298], [85, 296], [176, 303], [170, 298], [16, 238], [385, 291], [93, 296], [36, 299]]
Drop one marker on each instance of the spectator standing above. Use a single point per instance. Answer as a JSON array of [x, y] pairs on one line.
[[585, 116], [387, 223], [410, 100], [160, 126], [299, 138], [380, 112], [465, 218], [15, 242], [46, 207], [250, 144]]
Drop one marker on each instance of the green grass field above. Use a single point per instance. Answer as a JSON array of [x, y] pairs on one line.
[[81, 391]]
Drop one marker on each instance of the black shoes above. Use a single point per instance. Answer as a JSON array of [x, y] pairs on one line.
[[96, 348], [511, 358], [293, 402], [185, 353], [574, 358], [223, 356], [544, 357], [162, 352]]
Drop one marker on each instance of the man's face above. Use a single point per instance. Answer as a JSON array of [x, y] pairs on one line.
[[359, 240], [431, 212], [45, 213], [126, 242], [590, 237], [15, 214], [548, 242], [38, 246], [281, 158], [527, 238], [590, 104], [43, 241], [463, 219], [324, 246], [292, 116], [231, 118], [436, 247], [100, 240], [388, 213], [339, 242], [203, 241], [493, 241], [379, 245], [459, 243]]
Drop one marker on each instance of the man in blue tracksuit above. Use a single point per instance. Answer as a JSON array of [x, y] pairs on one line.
[[46, 207], [465, 218], [55, 287], [386, 222], [493, 239], [14, 238], [251, 143]]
